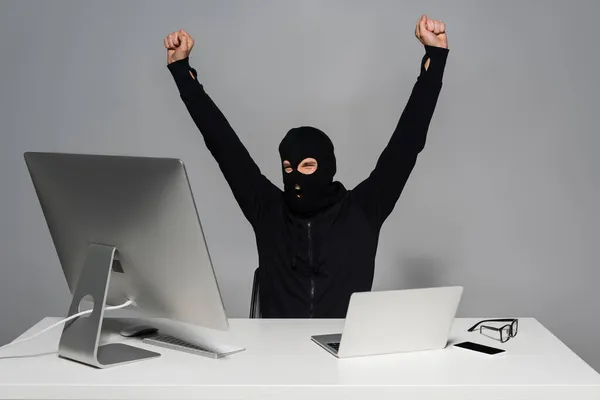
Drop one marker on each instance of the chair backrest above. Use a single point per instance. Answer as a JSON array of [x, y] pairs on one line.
[[255, 299]]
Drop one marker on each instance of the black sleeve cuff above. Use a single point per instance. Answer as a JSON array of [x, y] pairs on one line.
[[437, 63], [180, 70]]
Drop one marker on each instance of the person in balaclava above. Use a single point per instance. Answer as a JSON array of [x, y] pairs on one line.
[[316, 239]]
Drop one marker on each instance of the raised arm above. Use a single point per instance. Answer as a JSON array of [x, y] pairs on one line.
[[247, 183], [378, 194]]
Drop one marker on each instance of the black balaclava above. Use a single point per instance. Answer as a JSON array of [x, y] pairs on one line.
[[318, 191]]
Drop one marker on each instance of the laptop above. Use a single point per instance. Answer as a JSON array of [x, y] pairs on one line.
[[395, 321]]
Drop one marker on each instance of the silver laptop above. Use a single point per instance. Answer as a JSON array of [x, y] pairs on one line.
[[395, 321]]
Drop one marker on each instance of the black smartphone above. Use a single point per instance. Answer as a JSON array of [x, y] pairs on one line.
[[480, 348]]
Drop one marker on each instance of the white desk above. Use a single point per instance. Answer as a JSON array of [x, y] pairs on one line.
[[281, 362]]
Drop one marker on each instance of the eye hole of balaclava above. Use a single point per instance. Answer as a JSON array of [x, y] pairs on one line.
[[309, 165]]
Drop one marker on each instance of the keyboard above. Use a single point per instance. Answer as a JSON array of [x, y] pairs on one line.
[[174, 343]]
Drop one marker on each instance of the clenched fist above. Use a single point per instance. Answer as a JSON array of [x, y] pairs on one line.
[[179, 45], [431, 32]]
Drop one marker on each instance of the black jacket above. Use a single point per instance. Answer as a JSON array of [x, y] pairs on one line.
[[310, 267]]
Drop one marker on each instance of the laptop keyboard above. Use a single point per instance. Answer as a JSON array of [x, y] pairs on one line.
[[334, 345]]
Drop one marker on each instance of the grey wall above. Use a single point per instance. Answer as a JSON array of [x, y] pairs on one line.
[[504, 199]]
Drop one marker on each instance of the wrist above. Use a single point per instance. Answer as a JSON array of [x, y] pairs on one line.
[[176, 58], [435, 49], [179, 63]]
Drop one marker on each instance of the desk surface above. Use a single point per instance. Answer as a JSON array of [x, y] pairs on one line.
[[280, 361]]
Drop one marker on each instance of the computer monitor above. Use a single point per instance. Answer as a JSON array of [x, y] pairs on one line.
[[125, 228]]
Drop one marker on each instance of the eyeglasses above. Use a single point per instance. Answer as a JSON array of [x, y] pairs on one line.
[[504, 332]]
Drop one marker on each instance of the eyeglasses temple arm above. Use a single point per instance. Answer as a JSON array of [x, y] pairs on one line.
[[471, 329]]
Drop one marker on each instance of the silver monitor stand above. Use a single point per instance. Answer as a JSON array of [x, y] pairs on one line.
[[80, 337]]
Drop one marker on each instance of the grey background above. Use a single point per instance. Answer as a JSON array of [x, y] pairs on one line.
[[504, 199]]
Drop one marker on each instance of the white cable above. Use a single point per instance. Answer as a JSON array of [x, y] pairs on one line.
[[79, 314]]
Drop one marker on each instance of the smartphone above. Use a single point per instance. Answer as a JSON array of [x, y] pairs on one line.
[[480, 348]]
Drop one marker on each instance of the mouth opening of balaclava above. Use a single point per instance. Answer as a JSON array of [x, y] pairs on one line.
[[307, 194]]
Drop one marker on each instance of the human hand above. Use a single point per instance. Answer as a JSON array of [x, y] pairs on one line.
[[431, 32], [179, 45]]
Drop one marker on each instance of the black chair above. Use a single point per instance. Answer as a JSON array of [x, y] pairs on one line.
[[254, 300]]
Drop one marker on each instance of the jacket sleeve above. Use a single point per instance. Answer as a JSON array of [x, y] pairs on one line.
[[378, 194], [244, 177]]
